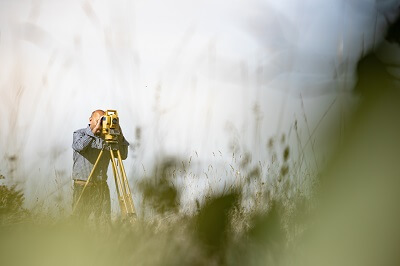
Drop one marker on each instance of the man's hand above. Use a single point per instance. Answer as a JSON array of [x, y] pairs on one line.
[[97, 129]]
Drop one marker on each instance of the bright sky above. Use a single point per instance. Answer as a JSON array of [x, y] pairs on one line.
[[187, 73]]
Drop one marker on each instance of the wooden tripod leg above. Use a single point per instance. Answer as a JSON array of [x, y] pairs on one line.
[[120, 200], [119, 186], [128, 194], [88, 180]]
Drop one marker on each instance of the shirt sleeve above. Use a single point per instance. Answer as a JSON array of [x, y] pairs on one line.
[[123, 148], [82, 139]]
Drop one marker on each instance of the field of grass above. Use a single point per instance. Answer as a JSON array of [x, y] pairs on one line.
[[254, 218], [348, 214]]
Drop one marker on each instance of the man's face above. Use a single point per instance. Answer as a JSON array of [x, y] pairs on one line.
[[94, 119]]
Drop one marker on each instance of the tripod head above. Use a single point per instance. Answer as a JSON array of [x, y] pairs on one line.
[[110, 145]]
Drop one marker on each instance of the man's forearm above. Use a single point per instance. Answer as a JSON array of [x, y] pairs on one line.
[[81, 142], [82, 139]]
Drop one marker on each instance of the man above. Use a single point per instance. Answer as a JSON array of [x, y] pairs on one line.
[[87, 144]]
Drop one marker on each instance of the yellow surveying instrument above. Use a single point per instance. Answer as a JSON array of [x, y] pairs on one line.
[[110, 131]]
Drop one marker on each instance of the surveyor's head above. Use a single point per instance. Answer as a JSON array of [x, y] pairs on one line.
[[94, 118]]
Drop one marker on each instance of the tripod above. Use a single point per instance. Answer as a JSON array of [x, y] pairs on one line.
[[121, 181]]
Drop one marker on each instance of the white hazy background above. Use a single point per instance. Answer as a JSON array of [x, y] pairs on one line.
[[188, 78]]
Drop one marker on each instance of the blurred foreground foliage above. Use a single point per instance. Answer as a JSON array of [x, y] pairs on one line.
[[11, 205], [220, 232]]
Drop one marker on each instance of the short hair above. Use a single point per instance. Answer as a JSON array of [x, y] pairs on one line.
[[96, 111]]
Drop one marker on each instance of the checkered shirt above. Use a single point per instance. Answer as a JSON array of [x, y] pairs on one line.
[[87, 147]]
